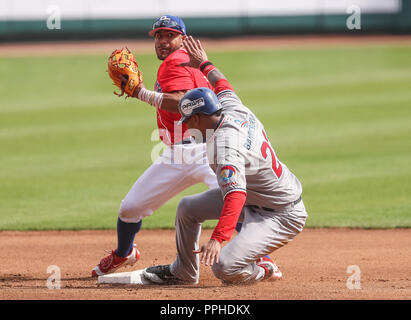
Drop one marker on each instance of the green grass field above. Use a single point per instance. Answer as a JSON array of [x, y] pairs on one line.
[[340, 118]]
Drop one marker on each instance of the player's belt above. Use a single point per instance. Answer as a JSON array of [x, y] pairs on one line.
[[273, 210], [185, 141]]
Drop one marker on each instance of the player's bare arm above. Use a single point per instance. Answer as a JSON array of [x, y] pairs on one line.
[[199, 59], [171, 100], [166, 101]]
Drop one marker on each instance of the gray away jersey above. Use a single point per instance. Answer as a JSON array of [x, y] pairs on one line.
[[244, 160]]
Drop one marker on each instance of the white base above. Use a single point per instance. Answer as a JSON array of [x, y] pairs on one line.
[[133, 277]]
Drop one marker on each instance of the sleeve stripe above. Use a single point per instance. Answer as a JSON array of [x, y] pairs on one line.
[[237, 190], [222, 92]]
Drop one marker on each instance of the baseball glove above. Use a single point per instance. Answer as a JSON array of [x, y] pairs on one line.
[[123, 70]]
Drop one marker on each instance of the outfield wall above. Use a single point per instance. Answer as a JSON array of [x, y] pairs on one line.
[[85, 19]]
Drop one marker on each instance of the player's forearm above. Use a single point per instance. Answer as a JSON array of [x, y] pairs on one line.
[[171, 100], [214, 76], [165, 101]]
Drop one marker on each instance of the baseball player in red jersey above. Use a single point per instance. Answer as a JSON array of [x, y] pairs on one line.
[[182, 164], [254, 187]]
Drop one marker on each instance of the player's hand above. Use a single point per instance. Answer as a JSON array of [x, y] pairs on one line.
[[137, 90], [195, 51], [210, 252]]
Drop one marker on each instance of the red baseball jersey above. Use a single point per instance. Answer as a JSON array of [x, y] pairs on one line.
[[173, 77]]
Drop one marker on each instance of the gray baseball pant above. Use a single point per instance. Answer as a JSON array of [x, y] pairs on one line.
[[262, 233]]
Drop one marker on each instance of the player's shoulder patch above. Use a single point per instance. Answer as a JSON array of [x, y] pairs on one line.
[[230, 178], [227, 172]]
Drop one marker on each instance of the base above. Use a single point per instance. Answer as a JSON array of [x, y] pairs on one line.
[[133, 277]]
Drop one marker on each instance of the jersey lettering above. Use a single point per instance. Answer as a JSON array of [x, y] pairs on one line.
[[276, 165]]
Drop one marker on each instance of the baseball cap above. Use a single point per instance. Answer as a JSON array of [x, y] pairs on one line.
[[168, 22], [199, 100]]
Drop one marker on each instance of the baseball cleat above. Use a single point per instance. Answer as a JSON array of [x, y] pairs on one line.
[[272, 272], [161, 274], [113, 262]]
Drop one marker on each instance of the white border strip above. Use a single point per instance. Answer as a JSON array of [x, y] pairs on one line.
[[109, 9]]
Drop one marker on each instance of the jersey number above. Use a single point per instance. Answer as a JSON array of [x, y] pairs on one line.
[[276, 165]]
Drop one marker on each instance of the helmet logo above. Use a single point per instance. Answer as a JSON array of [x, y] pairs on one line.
[[164, 18], [187, 106]]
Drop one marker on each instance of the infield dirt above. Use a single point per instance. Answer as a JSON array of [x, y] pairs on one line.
[[314, 266]]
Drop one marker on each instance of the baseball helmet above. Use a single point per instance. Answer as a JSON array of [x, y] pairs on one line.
[[199, 100], [168, 22]]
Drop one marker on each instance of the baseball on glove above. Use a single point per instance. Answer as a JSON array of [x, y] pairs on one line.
[[123, 70]]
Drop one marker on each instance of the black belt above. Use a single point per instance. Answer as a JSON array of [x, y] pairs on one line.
[[271, 209], [185, 141]]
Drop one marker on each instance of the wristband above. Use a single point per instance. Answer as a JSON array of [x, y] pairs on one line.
[[151, 97], [205, 64], [206, 67]]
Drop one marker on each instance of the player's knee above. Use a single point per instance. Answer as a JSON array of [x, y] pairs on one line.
[[221, 270], [131, 212], [183, 208]]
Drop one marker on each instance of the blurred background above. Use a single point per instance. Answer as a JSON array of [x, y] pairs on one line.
[[85, 19], [330, 80]]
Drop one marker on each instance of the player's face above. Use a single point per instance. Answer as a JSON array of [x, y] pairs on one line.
[[166, 42], [195, 126], [199, 126]]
